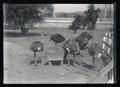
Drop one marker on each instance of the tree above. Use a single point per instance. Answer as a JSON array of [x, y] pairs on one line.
[[91, 15], [89, 19], [21, 14], [76, 25]]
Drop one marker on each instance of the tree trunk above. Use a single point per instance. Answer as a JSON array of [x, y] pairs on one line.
[[24, 30]]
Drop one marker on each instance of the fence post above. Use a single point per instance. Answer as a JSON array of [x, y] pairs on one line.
[[107, 46], [42, 37]]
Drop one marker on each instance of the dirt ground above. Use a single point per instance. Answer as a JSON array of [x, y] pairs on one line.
[[17, 57]]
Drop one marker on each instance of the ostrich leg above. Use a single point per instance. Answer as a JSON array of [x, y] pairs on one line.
[[35, 58], [68, 62], [93, 60], [74, 60], [65, 55], [34, 54], [68, 59]]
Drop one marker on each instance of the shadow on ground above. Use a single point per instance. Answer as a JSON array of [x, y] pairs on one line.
[[39, 61], [19, 34], [88, 66]]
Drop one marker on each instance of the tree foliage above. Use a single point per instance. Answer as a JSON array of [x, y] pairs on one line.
[[91, 15], [21, 14], [76, 23], [89, 19]]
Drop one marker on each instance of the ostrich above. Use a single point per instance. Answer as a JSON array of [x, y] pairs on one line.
[[83, 44], [36, 47], [57, 38], [83, 39], [83, 35], [94, 50], [71, 48]]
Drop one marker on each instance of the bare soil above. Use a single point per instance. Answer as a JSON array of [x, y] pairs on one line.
[[17, 58]]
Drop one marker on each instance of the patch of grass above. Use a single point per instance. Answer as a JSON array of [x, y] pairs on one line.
[[19, 34]]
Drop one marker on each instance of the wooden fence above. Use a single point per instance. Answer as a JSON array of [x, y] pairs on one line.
[[107, 71]]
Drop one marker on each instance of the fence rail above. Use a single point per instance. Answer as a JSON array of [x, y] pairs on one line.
[[70, 20], [101, 73]]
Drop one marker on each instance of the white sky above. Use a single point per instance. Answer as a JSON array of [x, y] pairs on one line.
[[74, 7]]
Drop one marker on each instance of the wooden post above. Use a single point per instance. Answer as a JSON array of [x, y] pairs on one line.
[[105, 15], [105, 11], [42, 37], [110, 11], [53, 11]]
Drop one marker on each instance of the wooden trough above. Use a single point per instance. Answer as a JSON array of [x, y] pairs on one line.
[[55, 54]]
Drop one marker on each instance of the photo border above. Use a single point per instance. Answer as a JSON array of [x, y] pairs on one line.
[[116, 26]]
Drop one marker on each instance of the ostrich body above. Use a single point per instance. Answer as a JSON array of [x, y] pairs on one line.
[[57, 38], [37, 47], [71, 48], [83, 39], [84, 35], [94, 50], [83, 44]]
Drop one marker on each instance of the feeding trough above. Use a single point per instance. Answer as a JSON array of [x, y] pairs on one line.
[[55, 54]]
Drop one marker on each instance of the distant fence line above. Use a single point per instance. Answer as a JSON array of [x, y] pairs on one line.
[[65, 19], [63, 22], [66, 22]]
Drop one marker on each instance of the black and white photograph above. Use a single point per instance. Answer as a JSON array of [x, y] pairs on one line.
[[58, 43]]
